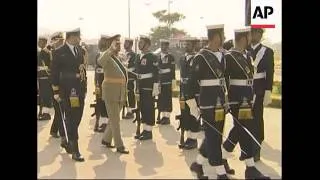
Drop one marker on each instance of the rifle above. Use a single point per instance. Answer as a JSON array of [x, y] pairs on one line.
[[181, 145], [157, 107], [97, 114], [137, 119]]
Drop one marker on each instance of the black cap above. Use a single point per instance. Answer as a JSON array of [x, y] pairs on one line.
[[228, 44]]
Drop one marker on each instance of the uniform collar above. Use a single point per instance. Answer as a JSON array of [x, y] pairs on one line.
[[255, 46]]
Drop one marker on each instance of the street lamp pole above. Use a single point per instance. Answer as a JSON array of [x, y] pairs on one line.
[[129, 17], [169, 29]]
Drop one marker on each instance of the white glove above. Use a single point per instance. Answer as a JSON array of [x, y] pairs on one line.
[[174, 85], [267, 98], [57, 97], [156, 89], [194, 110]]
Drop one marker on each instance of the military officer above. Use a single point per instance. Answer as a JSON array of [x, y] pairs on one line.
[[114, 87], [149, 87], [208, 69], [66, 83], [131, 58], [57, 40], [101, 110], [263, 57], [239, 77], [188, 122], [167, 82], [45, 91]]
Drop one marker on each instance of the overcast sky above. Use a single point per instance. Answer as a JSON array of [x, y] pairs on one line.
[[111, 16]]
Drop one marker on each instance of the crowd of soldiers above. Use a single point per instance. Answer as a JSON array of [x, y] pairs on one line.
[[216, 78]]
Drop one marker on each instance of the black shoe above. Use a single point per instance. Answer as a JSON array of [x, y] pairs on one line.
[[138, 136], [107, 144], [257, 157], [77, 157], [102, 128], [165, 121], [75, 151], [46, 116], [54, 135], [223, 176], [122, 150], [65, 145], [197, 168], [227, 167], [254, 173], [129, 115], [146, 135], [159, 121], [191, 144]]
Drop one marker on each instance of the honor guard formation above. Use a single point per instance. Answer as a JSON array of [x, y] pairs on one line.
[[217, 77]]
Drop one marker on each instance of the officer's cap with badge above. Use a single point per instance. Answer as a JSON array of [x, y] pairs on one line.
[[57, 36], [243, 32], [103, 36], [74, 32]]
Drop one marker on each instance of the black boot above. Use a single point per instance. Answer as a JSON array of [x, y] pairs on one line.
[[197, 168], [159, 121], [107, 144], [165, 121], [141, 134], [129, 115], [54, 135], [227, 167], [65, 145], [75, 152], [46, 116], [191, 144], [257, 156], [254, 173], [122, 150], [102, 127], [146, 135]]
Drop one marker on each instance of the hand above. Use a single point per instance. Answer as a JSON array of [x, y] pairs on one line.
[[194, 110], [156, 89], [97, 91], [57, 97], [173, 84], [267, 98]]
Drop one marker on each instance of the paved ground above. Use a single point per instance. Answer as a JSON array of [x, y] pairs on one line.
[[158, 159]]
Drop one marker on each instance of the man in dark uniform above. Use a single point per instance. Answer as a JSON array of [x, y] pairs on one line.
[[167, 81], [188, 122], [149, 87], [239, 78], [67, 74], [208, 69], [263, 82], [101, 110], [45, 91], [56, 42], [131, 58]]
